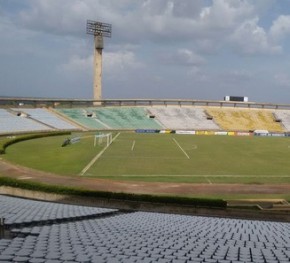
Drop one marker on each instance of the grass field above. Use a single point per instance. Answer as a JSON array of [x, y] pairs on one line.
[[162, 158]]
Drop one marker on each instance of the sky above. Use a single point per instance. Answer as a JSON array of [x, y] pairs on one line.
[[170, 49]]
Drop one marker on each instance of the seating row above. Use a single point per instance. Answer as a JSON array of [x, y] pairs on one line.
[[145, 237], [48, 118], [21, 211], [13, 123], [24, 120], [181, 118], [112, 118], [130, 118]]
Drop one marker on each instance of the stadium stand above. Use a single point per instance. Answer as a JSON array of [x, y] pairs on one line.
[[10, 122], [112, 118], [183, 118], [126, 118], [238, 119], [82, 117], [48, 118], [137, 237], [156, 117], [18, 211], [284, 117]]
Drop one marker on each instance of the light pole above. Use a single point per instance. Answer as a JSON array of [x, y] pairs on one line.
[[98, 30]]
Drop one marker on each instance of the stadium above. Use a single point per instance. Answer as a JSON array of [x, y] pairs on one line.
[[173, 142], [145, 180]]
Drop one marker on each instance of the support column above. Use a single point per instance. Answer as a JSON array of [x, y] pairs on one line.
[[98, 69]]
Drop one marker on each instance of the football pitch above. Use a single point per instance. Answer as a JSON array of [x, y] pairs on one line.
[[161, 158]]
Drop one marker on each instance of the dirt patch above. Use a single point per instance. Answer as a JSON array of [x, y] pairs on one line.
[[24, 173]]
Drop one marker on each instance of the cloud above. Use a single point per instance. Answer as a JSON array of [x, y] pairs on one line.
[[189, 9], [55, 18], [280, 28], [237, 75], [183, 57], [206, 24], [77, 65], [121, 61], [113, 63], [173, 20], [225, 14], [159, 20], [189, 44], [249, 38], [171, 8]]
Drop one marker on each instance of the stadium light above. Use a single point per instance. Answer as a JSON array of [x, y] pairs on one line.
[[98, 30]]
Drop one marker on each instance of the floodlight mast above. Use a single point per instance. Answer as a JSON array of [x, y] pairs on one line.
[[98, 30]]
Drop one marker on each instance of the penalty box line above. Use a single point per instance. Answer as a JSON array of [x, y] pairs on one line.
[[91, 163]]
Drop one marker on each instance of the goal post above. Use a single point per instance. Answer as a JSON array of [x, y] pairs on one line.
[[103, 137]]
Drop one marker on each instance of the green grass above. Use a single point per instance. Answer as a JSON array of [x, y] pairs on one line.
[[46, 154], [220, 159], [163, 158]]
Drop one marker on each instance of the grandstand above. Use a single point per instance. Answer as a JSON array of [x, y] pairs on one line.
[[14, 120], [112, 118], [233, 119], [183, 118], [50, 232], [11, 122], [134, 115], [47, 118], [283, 116]]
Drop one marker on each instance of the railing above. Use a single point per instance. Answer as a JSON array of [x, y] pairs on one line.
[[70, 103]]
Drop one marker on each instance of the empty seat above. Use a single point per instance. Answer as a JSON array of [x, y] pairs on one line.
[[178, 118], [48, 118], [12, 123], [141, 237]]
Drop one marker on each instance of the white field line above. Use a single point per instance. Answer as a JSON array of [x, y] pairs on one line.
[[143, 157], [133, 145], [181, 148], [209, 181], [90, 164]]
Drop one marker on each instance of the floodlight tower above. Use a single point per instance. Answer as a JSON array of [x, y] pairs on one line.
[[98, 30]]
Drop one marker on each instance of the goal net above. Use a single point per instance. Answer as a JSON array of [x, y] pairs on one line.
[[103, 138]]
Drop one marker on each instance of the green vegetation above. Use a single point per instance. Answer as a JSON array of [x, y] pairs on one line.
[[196, 202], [163, 158]]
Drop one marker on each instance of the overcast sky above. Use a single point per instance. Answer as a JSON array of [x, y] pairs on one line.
[[178, 49]]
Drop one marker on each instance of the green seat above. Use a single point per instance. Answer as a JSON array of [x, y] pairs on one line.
[[128, 118]]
